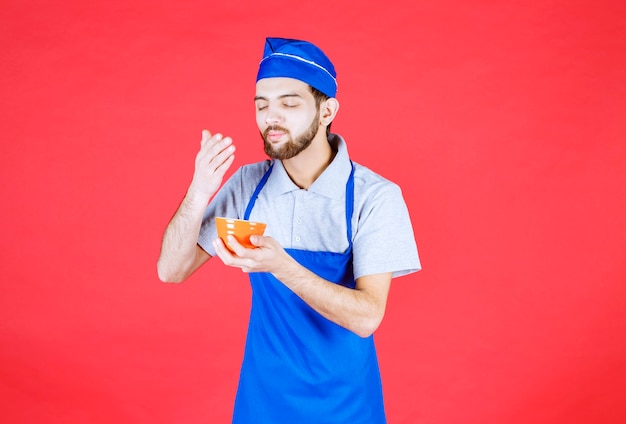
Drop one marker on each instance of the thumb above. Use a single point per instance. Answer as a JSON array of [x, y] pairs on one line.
[[258, 241]]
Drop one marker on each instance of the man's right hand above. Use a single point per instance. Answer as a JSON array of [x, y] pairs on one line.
[[216, 155]]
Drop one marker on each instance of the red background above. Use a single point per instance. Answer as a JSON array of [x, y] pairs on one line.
[[503, 122]]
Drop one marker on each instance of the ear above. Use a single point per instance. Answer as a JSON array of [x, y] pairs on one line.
[[328, 111]]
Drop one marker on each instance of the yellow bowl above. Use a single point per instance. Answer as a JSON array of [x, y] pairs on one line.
[[241, 229]]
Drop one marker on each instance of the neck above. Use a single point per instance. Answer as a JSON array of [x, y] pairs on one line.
[[309, 164]]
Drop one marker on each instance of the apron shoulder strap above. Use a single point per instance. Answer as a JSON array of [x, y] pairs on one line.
[[350, 203], [258, 189], [349, 199]]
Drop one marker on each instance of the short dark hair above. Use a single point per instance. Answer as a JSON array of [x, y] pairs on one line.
[[319, 98]]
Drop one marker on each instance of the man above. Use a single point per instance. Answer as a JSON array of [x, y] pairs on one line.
[[336, 235]]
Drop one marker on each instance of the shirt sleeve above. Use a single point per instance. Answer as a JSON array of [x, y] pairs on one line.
[[230, 201], [384, 240]]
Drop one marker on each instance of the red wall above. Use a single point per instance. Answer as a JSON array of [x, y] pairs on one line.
[[504, 123]]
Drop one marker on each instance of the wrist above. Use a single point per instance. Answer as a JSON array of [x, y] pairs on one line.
[[291, 273], [197, 199]]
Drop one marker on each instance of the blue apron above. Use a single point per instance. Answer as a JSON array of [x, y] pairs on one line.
[[298, 366]]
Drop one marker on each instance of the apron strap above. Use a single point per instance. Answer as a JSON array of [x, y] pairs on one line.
[[350, 203], [258, 189], [349, 199]]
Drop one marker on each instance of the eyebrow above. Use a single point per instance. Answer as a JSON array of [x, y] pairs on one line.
[[280, 97]]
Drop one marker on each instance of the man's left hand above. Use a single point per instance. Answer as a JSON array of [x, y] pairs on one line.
[[268, 255]]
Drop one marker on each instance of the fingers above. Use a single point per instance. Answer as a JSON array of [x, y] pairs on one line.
[[236, 247], [258, 241], [216, 153], [220, 249], [229, 257], [205, 136], [233, 250], [268, 255], [215, 157], [211, 141], [213, 146]]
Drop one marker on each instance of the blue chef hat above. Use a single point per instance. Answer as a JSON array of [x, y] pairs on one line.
[[301, 60]]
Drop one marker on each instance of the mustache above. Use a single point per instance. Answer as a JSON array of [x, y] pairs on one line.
[[274, 128]]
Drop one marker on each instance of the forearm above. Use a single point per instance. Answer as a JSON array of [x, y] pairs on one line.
[[359, 310], [178, 258]]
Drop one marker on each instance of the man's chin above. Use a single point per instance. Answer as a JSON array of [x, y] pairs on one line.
[[271, 151]]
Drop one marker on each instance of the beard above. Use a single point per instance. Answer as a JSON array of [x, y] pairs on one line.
[[292, 147]]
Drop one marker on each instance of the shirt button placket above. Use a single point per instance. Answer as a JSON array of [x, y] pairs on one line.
[[297, 220]]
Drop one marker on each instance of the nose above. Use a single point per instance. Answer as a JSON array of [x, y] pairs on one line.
[[272, 116]]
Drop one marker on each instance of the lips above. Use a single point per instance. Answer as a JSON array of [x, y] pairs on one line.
[[274, 135]]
